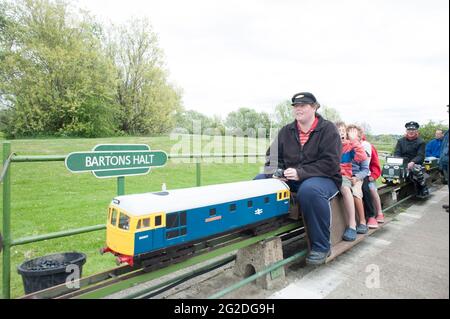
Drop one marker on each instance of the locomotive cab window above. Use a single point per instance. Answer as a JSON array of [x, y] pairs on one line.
[[124, 221], [176, 224], [143, 223], [172, 220], [113, 217], [281, 195], [183, 219], [158, 221]]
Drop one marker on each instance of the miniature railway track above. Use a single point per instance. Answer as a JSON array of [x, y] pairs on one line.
[[164, 260], [123, 277]]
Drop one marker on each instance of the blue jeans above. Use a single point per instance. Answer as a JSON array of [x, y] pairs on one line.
[[314, 195]]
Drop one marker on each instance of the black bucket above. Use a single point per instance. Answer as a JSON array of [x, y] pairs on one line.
[[48, 271]]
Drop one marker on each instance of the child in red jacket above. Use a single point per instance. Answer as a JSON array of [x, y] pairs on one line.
[[375, 172]]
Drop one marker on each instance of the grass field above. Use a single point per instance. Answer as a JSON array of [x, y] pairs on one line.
[[46, 197]]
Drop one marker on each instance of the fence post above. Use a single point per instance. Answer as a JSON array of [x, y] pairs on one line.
[[120, 185], [198, 171], [6, 224]]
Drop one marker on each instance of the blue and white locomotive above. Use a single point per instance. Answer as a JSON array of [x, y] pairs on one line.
[[140, 224]]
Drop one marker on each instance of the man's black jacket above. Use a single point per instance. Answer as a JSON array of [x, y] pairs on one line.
[[320, 156], [412, 151]]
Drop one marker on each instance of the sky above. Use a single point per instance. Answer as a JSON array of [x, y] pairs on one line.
[[382, 62]]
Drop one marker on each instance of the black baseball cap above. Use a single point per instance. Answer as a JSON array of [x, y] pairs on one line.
[[303, 98], [412, 125]]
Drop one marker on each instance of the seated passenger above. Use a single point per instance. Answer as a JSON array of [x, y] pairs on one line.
[[352, 150], [375, 173], [368, 201], [309, 151], [412, 148], [443, 163], [360, 170], [433, 147]]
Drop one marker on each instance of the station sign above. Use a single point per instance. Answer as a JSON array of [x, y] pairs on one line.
[[116, 160]]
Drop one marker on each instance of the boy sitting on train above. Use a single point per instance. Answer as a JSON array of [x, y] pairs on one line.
[[351, 150], [360, 170]]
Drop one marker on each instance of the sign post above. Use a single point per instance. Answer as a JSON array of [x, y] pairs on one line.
[[116, 160]]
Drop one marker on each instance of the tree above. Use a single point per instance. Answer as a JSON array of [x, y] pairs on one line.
[[147, 101], [218, 125], [329, 113], [283, 114], [427, 131], [197, 123], [54, 77], [189, 119], [248, 121]]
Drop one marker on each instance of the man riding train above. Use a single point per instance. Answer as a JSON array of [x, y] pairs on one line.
[[308, 151], [411, 147]]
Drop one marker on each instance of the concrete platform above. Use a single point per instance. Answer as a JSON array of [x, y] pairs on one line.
[[407, 258]]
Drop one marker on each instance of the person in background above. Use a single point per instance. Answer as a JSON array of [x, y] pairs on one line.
[[443, 162], [412, 148], [433, 147]]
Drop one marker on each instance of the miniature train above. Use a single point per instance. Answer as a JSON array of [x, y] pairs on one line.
[[395, 171], [141, 224]]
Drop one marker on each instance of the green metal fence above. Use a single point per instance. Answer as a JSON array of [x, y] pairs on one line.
[[5, 178]]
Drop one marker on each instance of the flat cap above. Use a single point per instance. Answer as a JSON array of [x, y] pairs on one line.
[[412, 125], [303, 98]]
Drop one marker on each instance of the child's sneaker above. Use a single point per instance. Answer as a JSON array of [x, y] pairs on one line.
[[372, 223], [362, 229], [349, 234], [380, 218]]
